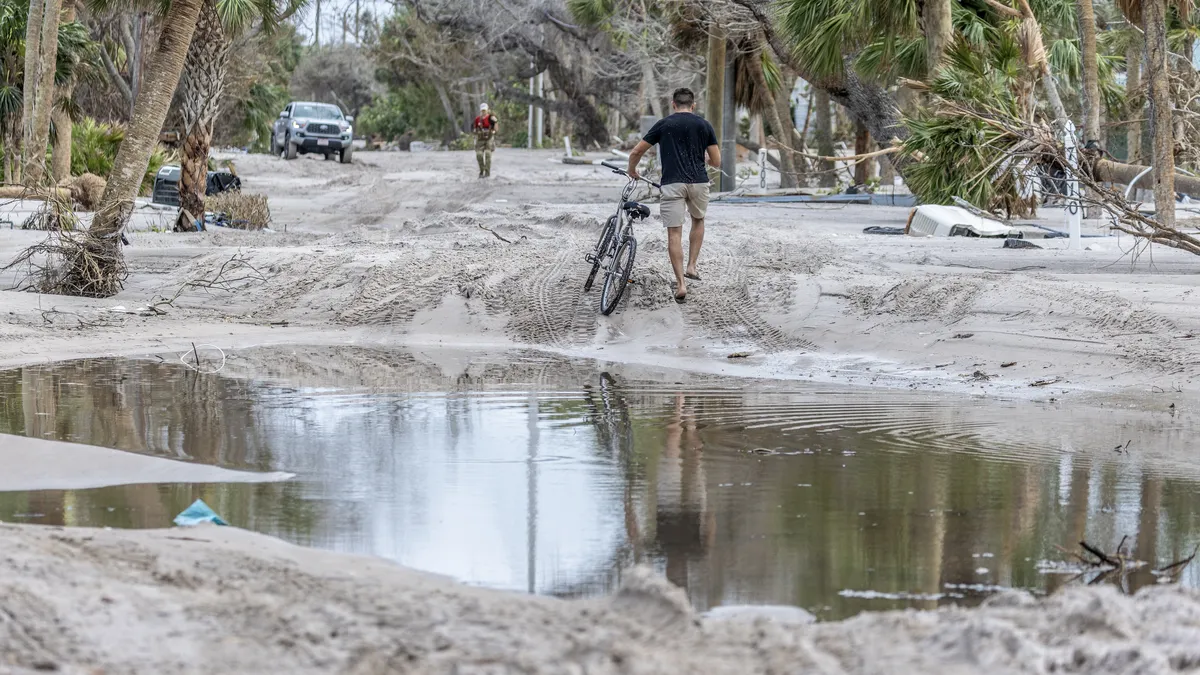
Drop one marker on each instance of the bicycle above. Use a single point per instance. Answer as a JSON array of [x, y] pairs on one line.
[[617, 246]]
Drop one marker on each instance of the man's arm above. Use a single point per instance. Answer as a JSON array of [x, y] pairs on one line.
[[635, 157], [714, 156]]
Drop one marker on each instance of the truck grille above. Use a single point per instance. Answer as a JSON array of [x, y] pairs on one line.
[[322, 128]]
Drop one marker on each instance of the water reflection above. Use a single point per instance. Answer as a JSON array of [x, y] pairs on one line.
[[536, 473]]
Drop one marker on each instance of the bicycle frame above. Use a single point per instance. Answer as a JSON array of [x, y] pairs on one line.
[[616, 241]]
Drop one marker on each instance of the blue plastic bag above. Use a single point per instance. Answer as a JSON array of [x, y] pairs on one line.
[[198, 513]]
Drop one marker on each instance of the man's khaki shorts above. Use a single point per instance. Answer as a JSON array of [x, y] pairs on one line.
[[680, 200]]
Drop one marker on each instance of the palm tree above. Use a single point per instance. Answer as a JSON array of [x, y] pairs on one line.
[[203, 83], [1151, 15], [150, 110], [937, 26], [41, 58], [1091, 70], [61, 119]]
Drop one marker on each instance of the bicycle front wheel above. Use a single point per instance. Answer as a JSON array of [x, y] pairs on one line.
[[618, 277], [606, 236]]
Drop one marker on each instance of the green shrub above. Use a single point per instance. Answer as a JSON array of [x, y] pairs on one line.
[[413, 107], [94, 147]]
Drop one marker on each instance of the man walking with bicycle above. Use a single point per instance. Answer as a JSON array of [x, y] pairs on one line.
[[684, 141]]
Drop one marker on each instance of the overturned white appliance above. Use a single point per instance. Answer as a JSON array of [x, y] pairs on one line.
[[930, 220]]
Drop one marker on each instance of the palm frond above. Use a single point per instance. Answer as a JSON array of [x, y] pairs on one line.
[[238, 15], [591, 12]]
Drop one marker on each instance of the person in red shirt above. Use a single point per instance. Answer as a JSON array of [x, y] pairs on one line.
[[485, 140]]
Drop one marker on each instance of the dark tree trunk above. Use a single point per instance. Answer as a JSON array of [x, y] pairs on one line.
[[824, 134], [1154, 25], [862, 145]]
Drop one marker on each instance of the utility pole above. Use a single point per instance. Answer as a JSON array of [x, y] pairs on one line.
[[715, 81], [729, 128], [357, 23], [529, 132], [541, 111]]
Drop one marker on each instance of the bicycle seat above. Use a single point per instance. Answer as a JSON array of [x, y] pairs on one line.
[[636, 210]]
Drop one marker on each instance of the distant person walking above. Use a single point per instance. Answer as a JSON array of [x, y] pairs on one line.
[[485, 139], [684, 140]]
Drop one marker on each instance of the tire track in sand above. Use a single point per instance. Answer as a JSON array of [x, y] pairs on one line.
[[726, 311], [551, 307]]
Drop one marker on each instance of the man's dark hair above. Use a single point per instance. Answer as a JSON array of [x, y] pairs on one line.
[[683, 98]]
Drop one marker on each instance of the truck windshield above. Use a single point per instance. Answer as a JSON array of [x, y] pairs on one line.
[[318, 112]]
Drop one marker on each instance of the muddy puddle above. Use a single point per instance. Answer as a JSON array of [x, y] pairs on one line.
[[537, 473]]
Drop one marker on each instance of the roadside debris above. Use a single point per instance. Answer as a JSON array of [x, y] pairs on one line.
[[1095, 566], [1046, 382], [739, 355], [198, 513], [1019, 243]]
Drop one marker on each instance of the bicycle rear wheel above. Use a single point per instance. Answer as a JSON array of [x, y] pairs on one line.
[[601, 251], [618, 276]]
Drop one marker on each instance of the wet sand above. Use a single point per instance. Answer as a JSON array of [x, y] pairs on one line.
[[35, 464], [407, 249]]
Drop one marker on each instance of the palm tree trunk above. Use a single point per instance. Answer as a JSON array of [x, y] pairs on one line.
[[1133, 93], [824, 134], [40, 61], [63, 130], [203, 83], [1154, 25], [1091, 73], [862, 145], [715, 79], [777, 112], [938, 28], [141, 137]]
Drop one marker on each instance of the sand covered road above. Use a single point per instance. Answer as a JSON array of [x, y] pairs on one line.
[[403, 247], [211, 599]]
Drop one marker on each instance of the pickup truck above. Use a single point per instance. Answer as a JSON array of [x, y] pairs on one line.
[[306, 127]]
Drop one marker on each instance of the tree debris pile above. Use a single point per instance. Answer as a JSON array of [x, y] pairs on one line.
[[243, 211], [73, 263]]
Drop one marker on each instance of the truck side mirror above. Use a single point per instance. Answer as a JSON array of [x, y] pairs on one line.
[[349, 119], [284, 115]]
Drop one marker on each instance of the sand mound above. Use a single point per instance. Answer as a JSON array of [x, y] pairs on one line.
[[225, 600]]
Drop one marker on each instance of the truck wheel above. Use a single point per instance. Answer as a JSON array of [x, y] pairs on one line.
[[346, 154], [289, 149]]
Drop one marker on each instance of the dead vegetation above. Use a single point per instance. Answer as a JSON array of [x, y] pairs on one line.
[[244, 211], [1096, 566], [87, 190], [72, 263], [231, 276], [55, 214]]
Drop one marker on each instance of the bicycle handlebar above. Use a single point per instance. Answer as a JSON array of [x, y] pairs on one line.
[[623, 172]]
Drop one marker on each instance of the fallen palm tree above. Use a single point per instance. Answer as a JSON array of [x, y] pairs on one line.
[[989, 156]]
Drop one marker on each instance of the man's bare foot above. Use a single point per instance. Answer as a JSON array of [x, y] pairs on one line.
[[691, 274], [680, 294]]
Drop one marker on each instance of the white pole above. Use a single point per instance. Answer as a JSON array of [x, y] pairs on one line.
[[541, 111], [1074, 205], [529, 133], [567, 143]]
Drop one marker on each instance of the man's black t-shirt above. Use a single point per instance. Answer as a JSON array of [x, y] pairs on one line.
[[682, 140]]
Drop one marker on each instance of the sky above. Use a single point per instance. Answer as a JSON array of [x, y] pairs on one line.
[[331, 17]]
